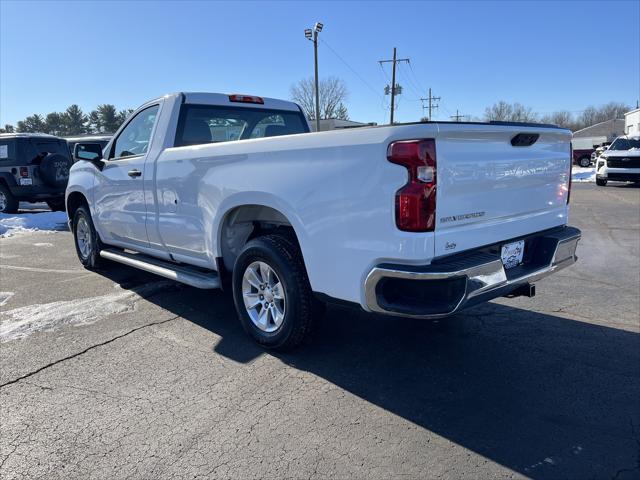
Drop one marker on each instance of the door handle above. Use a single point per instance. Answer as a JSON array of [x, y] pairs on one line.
[[134, 173]]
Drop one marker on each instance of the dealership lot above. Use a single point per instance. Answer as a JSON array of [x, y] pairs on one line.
[[122, 374]]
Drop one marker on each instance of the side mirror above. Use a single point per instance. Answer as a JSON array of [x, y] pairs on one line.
[[90, 152]]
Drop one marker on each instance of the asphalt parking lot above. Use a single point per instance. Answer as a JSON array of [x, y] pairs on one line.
[[120, 374]]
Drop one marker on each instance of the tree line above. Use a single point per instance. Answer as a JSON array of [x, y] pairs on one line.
[[516, 112], [105, 119]]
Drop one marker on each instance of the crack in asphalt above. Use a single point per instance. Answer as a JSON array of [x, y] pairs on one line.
[[88, 349]]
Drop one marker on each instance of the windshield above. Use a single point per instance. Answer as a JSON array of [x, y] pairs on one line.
[[625, 144]]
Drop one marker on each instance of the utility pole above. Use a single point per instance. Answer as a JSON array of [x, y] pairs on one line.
[[312, 34], [432, 105], [393, 78], [457, 116]]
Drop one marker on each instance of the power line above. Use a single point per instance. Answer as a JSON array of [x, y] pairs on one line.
[[393, 61], [457, 116], [383, 100], [350, 67], [416, 78], [432, 103], [412, 84]]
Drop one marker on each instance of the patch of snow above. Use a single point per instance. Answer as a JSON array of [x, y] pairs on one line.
[[11, 224], [4, 297], [23, 321], [33, 206], [583, 174]]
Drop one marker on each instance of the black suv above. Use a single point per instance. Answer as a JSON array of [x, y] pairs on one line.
[[34, 167]]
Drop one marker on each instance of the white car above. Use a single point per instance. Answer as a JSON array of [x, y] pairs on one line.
[[621, 161], [415, 220]]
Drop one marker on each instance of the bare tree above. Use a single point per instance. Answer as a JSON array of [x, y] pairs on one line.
[[333, 94], [612, 110], [506, 112], [588, 117], [500, 111]]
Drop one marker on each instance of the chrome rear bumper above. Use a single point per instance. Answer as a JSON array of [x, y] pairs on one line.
[[450, 284]]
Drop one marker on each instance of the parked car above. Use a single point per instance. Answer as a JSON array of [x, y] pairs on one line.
[[101, 140], [288, 220], [621, 161], [33, 168], [583, 149]]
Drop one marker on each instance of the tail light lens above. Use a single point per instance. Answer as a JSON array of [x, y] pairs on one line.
[[24, 172], [416, 201]]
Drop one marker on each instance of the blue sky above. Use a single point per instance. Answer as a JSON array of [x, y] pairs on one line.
[[546, 55]]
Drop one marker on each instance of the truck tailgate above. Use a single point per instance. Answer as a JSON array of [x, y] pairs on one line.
[[489, 191]]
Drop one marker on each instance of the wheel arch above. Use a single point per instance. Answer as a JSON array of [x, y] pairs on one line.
[[74, 201], [241, 222]]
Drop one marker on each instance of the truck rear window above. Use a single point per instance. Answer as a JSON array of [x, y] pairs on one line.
[[200, 124]]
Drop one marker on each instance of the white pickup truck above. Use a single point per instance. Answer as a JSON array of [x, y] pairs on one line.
[[231, 191]]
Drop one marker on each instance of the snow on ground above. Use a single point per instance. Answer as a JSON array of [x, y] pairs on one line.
[[23, 321], [15, 223], [583, 174]]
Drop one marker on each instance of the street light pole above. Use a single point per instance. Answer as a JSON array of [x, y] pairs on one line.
[[315, 56], [312, 34]]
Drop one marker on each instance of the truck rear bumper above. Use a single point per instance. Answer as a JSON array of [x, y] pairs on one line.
[[458, 281]]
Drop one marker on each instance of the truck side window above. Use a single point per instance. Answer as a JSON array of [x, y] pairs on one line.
[[135, 138], [200, 124]]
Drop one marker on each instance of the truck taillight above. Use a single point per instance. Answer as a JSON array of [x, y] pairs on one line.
[[416, 201], [24, 172]]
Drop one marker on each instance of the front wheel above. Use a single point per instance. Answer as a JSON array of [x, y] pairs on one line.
[[271, 292], [601, 182], [88, 244]]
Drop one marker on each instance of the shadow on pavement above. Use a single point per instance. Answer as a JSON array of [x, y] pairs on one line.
[[542, 395]]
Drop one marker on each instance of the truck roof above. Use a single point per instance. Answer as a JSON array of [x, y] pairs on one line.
[[224, 99], [27, 135]]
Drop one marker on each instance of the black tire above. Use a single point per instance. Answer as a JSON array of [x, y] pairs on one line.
[[57, 204], [54, 170], [8, 203], [92, 260], [284, 257], [584, 161], [601, 182]]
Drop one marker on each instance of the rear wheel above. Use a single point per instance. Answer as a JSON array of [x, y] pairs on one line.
[[88, 244], [601, 182], [8, 203], [271, 292]]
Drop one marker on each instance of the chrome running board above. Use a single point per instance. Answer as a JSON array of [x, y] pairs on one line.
[[179, 273]]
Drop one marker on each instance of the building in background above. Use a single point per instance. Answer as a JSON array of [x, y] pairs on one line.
[[602, 132], [337, 124], [632, 122]]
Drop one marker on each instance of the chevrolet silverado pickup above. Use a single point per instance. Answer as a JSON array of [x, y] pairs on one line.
[[232, 191]]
